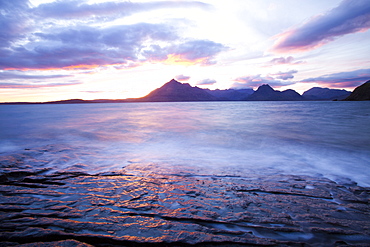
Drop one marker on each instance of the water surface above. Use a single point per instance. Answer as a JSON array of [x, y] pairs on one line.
[[330, 139]]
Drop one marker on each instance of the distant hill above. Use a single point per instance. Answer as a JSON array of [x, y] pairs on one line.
[[69, 101], [319, 93], [360, 93], [267, 93]]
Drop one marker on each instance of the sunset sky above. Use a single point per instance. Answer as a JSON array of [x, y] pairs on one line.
[[107, 49]]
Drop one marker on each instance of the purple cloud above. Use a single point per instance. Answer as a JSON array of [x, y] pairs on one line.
[[13, 21], [24, 85], [201, 51], [285, 75], [85, 47], [122, 36], [78, 9], [342, 79], [59, 57], [182, 78], [206, 82], [350, 16], [189, 52], [282, 60], [21, 76], [257, 80]]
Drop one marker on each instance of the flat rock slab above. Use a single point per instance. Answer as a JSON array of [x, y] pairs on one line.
[[147, 204]]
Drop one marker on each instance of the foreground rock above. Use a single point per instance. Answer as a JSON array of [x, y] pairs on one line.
[[148, 204]]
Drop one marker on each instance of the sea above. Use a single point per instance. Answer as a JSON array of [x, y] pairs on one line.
[[328, 139]]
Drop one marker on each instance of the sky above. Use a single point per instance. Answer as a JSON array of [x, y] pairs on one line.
[[108, 49]]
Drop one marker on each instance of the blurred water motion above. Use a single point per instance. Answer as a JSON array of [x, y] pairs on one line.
[[310, 138]]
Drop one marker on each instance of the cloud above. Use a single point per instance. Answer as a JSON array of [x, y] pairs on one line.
[[189, 52], [79, 9], [119, 36], [350, 16], [24, 85], [21, 76], [182, 78], [207, 82], [285, 75], [196, 51], [29, 42], [85, 48], [342, 79], [19, 79], [14, 21], [282, 60], [253, 81]]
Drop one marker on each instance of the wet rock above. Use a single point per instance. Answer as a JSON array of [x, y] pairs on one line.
[[63, 243], [153, 205]]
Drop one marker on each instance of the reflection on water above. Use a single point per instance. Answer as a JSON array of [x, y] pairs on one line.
[[329, 138]]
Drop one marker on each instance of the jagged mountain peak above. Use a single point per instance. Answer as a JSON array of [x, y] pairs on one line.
[[265, 88], [174, 83], [174, 91]]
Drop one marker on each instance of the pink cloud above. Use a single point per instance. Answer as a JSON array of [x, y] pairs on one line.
[[182, 78], [285, 75], [282, 60], [23, 85], [351, 16], [207, 82], [342, 79]]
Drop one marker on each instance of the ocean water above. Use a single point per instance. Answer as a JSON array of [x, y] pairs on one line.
[[327, 139]]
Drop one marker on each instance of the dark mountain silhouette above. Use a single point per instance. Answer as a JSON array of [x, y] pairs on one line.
[[319, 93], [230, 94], [267, 93], [291, 95], [360, 93], [174, 91]]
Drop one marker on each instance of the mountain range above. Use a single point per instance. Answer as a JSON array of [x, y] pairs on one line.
[[174, 91]]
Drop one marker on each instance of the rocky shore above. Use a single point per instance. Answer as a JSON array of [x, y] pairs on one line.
[[151, 205]]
